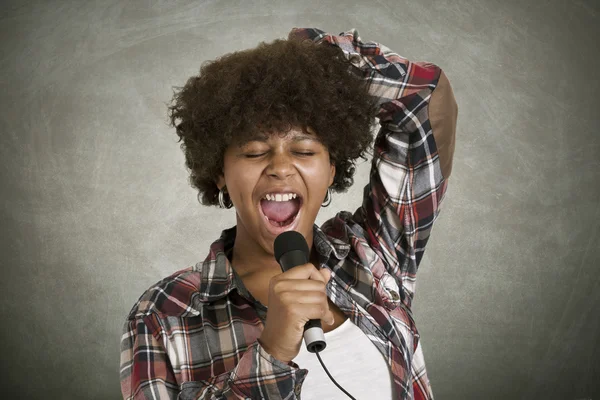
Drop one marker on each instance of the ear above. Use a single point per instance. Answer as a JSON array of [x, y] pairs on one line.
[[331, 174], [220, 182]]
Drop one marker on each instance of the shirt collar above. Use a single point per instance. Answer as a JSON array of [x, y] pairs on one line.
[[217, 277]]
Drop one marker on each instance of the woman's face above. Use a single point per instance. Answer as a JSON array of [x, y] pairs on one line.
[[277, 183]]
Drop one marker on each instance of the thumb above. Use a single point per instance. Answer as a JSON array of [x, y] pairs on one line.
[[326, 274]]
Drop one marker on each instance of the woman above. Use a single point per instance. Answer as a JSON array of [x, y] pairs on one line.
[[272, 131]]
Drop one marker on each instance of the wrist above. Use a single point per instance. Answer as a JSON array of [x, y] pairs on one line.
[[264, 342]]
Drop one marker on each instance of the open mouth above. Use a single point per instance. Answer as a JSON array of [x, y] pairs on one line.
[[280, 210]]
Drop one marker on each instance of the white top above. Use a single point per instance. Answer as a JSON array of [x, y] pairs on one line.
[[353, 361]]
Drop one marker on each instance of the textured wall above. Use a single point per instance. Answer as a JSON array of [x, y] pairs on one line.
[[96, 205]]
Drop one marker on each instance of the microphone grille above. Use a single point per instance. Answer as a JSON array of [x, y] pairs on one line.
[[287, 241]]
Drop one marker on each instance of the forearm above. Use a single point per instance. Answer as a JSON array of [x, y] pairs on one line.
[[147, 372]]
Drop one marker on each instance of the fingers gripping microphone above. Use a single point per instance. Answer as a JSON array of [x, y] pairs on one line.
[[291, 250]]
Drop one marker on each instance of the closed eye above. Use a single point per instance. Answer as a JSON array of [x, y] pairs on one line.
[[300, 153], [254, 155]]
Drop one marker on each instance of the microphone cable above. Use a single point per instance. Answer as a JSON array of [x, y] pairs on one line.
[[331, 377]]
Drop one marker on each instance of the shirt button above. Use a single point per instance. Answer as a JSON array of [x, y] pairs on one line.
[[394, 295], [297, 390]]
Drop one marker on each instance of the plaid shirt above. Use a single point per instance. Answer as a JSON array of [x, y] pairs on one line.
[[194, 334]]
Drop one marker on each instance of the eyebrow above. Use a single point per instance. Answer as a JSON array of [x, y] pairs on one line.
[[296, 139], [300, 138]]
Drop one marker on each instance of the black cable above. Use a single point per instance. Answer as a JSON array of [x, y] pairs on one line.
[[331, 377]]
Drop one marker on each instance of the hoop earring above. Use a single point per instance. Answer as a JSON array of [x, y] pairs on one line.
[[222, 199], [327, 200]]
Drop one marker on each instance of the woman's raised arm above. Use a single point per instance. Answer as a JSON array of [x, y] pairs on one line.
[[413, 150]]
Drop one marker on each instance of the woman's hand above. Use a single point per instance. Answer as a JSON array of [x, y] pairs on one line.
[[295, 297]]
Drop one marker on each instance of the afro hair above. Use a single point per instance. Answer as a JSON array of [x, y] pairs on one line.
[[272, 88]]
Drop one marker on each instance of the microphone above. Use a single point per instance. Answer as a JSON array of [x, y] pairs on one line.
[[291, 250]]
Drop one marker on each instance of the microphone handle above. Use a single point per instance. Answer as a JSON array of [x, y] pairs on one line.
[[314, 338]]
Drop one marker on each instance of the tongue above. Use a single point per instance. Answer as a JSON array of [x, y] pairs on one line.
[[280, 211]]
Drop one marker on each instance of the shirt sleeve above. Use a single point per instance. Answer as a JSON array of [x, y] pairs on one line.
[[147, 373], [412, 154]]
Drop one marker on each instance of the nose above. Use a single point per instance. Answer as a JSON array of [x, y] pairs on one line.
[[280, 165]]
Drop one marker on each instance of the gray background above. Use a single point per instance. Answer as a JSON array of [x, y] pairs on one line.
[[96, 205]]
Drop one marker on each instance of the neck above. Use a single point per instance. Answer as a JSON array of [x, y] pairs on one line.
[[251, 259]]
